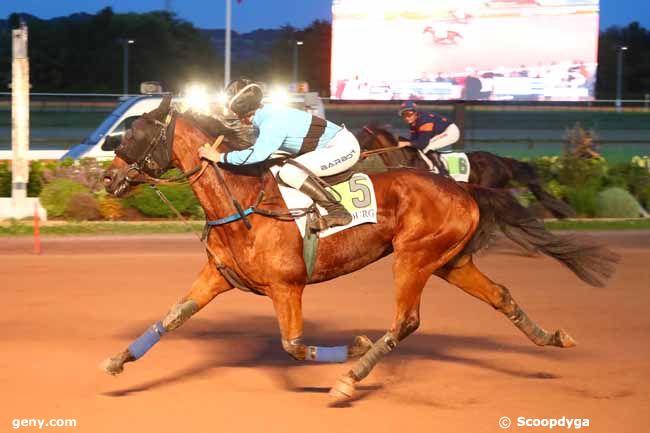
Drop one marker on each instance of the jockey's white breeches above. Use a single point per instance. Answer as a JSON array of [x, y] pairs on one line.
[[340, 154], [448, 137]]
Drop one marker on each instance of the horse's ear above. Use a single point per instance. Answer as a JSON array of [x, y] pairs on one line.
[[163, 108]]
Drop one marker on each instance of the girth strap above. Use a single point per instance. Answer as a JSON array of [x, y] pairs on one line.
[[315, 132]]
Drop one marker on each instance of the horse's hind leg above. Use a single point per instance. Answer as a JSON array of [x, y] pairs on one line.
[[287, 301], [464, 274], [209, 284]]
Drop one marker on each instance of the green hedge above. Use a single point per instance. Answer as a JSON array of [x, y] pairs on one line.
[[35, 183], [145, 200], [577, 181], [616, 202], [56, 195], [5, 179]]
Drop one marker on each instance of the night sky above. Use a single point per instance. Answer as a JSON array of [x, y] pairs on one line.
[[255, 14]]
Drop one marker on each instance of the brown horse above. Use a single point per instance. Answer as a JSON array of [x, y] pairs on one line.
[[432, 225], [486, 169]]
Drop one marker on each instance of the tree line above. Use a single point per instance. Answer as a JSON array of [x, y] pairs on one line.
[[85, 53]]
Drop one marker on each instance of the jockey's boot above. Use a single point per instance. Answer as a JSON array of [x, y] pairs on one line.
[[337, 215], [437, 161]]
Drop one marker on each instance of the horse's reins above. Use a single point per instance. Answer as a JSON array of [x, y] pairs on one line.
[[227, 273], [373, 134], [380, 151], [231, 276]]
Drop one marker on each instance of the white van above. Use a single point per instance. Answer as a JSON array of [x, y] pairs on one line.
[[102, 142]]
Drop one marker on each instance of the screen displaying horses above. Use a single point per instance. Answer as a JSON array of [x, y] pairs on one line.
[[464, 49]]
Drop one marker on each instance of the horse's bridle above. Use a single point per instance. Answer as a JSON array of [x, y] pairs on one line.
[[136, 172]]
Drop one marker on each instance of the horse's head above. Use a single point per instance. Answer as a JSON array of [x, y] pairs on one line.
[[373, 138], [144, 151]]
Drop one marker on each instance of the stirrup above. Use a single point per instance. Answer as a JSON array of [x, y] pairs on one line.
[[336, 212]]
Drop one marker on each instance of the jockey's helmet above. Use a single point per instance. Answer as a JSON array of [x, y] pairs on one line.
[[406, 107], [244, 96]]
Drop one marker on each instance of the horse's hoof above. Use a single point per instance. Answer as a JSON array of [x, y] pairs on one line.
[[343, 390], [361, 345], [562, 339], [113, 366]]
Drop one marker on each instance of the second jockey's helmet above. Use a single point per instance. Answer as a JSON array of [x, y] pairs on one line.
[[407, 106], [244, 96]]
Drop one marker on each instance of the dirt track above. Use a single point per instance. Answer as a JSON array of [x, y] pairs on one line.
[[87, 298]]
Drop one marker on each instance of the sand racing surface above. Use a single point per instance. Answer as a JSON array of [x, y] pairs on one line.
[[465, 368]]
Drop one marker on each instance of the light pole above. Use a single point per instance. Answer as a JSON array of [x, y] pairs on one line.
[[619, 75], [226, 63], [295, 61], [125, 70]]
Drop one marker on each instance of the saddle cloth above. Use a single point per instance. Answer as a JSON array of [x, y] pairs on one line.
[[357, 195], [457, 164]]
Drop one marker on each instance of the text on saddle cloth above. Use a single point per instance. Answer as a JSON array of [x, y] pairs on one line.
[[457, 164]]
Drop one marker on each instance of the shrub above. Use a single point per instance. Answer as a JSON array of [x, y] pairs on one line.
[[5, 179], [82, 207], [579, 142], [56, 195], [546, 167], [87, 172], [555, 189], [35, 183], [580, 172], [147, 201], [111, 208], [583, 200], [633, 177], [643, 195], [615, 202]]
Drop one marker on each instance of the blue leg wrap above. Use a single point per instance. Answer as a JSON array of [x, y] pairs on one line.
[[146, 341], [328, 354]]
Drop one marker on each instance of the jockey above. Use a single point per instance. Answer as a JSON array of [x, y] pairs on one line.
[[429, 132], [320, 146]]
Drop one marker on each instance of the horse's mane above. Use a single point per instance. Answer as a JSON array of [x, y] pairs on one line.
[[384, 132], [235, 137]]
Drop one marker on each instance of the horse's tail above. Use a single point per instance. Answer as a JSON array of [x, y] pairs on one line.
[[592, 263], [526, 174]]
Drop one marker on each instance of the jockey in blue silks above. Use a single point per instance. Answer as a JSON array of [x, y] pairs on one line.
[[429, 132], [321, 146]]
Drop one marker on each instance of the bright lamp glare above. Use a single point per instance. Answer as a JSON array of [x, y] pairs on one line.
[[222, 98], [196, 98], [279, 97]]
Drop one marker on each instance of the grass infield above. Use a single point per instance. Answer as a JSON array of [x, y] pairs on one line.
[[63, 228]]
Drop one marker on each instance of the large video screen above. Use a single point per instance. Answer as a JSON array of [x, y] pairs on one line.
[[464, 49]]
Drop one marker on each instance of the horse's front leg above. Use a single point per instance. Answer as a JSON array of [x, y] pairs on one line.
[[288, 306], [209, 284]]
